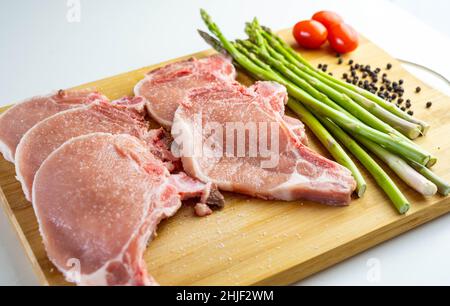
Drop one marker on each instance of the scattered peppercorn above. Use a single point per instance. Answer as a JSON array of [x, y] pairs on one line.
[[340, 61], [428, 105], [389, 66], [410, 112], [350, 62], [418, 89], [400, 82]]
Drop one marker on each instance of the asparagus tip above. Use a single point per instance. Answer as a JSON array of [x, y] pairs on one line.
[[213, 42], [431, 162]]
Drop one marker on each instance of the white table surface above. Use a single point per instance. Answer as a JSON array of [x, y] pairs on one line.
[[41, 51]]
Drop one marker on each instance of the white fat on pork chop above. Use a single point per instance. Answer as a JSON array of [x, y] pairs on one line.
[[282, 168]]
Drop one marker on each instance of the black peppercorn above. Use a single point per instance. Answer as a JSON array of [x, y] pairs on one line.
[[410, 112], [428, 105], [418, 89], [388, 66]]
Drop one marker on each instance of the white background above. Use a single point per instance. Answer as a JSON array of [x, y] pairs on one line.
[[41, 51]]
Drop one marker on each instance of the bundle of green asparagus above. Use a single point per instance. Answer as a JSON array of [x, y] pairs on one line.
[[331, 108]]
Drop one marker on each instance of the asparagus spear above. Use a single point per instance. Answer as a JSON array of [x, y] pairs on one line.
[[384, 104], [391, 142], [383, 180], [407, 173], [338, 97], [329, 143], [443, 186]]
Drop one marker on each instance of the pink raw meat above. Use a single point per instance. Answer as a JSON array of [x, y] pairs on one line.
[[164, 88], [289, 171], [17, 120], [49, 134], [98, 199]]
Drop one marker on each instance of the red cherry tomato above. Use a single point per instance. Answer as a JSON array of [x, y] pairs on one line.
[[310, 34], [343, 38], [327, 18]]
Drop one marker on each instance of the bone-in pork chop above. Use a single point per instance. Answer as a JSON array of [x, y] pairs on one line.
[[17, 120], [268, 160], [164, 88], [98, 199]]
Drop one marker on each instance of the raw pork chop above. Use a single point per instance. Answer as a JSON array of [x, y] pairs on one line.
[[49, 134], [288, 171], [98, 199], [17, 120], [164, 88]]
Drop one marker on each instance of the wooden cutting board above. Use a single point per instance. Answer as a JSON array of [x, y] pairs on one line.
[[257, 242]]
